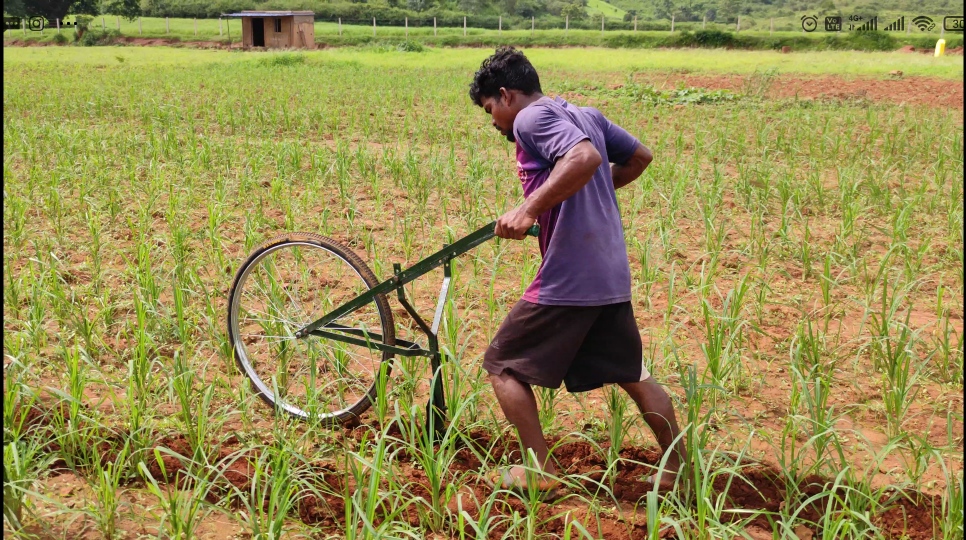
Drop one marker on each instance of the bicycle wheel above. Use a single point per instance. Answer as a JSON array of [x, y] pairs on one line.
[[288, 282]]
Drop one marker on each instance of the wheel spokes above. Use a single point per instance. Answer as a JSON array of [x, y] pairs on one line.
[[284, 290]]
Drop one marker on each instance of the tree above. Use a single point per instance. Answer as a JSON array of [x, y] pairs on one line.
[[15, 8], [129, 9], [59, 9], [728, 10], [48, 9], [527, 8], [576, 12], [664, 9]]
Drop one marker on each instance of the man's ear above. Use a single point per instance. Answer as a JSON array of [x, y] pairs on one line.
[[506, 95]]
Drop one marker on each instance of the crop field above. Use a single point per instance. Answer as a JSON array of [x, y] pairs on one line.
[[796, 250]]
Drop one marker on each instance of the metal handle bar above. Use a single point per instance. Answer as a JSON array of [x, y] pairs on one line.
[[422, 267]]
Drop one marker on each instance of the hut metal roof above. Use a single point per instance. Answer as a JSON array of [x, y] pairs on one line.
[[267, 14]]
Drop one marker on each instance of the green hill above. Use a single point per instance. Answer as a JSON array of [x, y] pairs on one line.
[[608, 10]]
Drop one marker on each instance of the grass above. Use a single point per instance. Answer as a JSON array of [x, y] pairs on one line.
[[797, 272], [582, 61]]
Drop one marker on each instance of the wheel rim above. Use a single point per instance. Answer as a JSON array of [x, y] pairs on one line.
[[284, 288]]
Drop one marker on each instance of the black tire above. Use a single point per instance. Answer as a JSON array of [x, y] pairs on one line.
[[268, 301]]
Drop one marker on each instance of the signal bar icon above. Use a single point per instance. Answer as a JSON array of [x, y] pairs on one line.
[[898, 26], [871, 24]]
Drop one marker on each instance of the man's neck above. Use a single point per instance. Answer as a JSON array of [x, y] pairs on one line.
[[526, 101]]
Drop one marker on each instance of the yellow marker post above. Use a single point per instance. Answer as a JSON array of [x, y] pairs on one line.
[[940, 48]]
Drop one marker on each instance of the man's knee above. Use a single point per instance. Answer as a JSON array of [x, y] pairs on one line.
[[505, 378]]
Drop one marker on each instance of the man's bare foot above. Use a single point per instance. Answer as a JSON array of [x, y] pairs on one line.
[[664, 481], [515, 479]]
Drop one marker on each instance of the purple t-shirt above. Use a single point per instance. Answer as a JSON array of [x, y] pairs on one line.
[[581, 239]]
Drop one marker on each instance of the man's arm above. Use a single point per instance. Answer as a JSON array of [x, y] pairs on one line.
[[626, 173], [570, 173]]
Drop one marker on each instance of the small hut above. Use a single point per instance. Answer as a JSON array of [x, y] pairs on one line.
[[277, 29]]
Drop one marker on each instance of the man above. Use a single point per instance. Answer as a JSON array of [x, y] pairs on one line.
[[575, 323]]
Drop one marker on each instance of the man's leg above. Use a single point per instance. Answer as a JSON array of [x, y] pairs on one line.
[[520, 407], [658, 412]]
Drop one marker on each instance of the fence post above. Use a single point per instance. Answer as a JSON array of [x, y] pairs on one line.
[[373, 27], [220, 31], [103, 25], [531, 26], [501, 23], [196, 26], [635, 23], [434, 26], [57, 22], [771, 26], [167, 26], [464, 25], [23, 24], [738, 25], [140, 32], [118, 23], [672, 23], [340, 26], [567, 24], [407, 27], [602, 22], [704, 22]]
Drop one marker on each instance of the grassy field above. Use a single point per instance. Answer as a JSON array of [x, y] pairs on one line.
[[797, 271], [584, 60]]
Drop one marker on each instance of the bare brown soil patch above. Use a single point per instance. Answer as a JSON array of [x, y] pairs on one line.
[[128, 40], [928, 50], [929, 91], [759, 488], [148, 42]]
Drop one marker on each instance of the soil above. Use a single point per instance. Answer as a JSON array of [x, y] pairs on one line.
[[129, 40], [761, 487], [928, 91], [927, 50]]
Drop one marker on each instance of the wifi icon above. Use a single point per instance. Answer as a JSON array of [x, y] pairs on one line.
[[923, 23]]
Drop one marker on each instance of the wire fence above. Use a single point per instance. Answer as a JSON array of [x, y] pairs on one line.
[[533, 24], [467, 25], [453, 28]]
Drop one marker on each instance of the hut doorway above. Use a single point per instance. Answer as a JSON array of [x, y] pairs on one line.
[[258, 32]]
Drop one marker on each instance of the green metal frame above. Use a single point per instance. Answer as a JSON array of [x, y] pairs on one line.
[[326, 326]]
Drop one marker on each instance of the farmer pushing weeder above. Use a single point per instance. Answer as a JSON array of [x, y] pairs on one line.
[[575, 322]]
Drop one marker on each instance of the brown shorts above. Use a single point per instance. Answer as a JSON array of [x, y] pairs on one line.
[[584, 347]]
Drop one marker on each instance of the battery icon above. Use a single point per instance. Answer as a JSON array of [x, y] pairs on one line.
[[953, 23]]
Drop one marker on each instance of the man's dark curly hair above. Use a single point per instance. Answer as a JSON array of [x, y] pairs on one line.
[[507, 68]]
